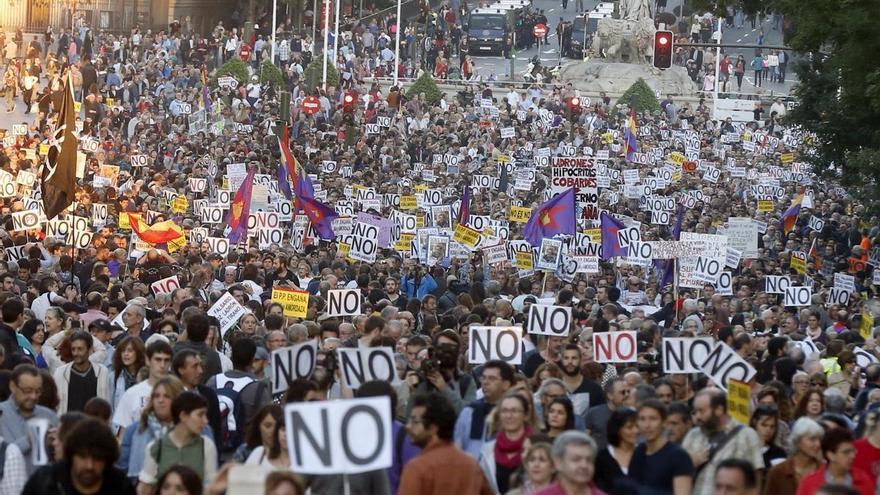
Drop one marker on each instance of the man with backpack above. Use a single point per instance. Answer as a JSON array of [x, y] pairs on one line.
[[240, 395]]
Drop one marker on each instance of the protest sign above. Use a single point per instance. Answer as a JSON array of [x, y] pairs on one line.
[[554, 321], [343, 302], [292, 363], [488, 343], [615, 347], [295, 302], [339, 437], [228, 311], [361, 365]]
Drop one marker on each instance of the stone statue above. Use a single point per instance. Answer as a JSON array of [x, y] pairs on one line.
[[624, 40], [635, 10]]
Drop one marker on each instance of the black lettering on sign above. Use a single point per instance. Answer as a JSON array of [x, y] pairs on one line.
[[343, 302]]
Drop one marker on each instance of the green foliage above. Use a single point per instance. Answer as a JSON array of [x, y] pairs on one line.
[[425, 84], [640, 97], [839, 90], [271, 74], [314, 74], [233, 67]]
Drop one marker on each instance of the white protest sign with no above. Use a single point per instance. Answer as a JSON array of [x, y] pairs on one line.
[[615, 347], [290, 363], [343, 302], [343, 436], [488, 343], [362, 365], [554, 321], [685, 355], [798, 296], [723, 364], [165, 286]]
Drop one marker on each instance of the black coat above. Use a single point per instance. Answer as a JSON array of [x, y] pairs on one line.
[[54, 479]]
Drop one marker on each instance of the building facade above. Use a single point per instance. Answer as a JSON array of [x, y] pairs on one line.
[[111, 15]]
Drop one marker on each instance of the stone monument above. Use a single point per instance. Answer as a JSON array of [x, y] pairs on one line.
[[622, 49]]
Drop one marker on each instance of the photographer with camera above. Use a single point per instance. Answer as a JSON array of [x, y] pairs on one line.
[[438, 371]]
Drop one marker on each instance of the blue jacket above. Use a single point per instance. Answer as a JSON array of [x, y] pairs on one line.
[[426, 286]]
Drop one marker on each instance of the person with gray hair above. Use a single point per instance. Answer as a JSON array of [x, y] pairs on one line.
[[835, 405], [574, 456], [690, 308], [806, 456], [297, 333]]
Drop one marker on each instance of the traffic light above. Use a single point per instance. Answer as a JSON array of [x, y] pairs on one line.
[[348, 101], [663, 49]]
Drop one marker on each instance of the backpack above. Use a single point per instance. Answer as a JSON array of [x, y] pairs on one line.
[[232, 421]]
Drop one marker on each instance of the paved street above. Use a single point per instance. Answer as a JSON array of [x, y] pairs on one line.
[[549, 53]]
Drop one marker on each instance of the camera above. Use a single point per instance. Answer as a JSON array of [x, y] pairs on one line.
[[330, 363]]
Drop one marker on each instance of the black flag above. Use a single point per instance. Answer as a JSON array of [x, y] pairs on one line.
[[59, 170]]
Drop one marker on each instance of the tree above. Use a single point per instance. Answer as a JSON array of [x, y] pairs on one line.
[[271, 74], [233, 67], [640, 97], [314, 73], [838, 89], [425, 84]]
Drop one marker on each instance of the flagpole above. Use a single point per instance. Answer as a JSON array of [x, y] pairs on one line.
[[675, 287]]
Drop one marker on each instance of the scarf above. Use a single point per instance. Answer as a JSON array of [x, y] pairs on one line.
[[481, 409], [504, 447], [158, 428]]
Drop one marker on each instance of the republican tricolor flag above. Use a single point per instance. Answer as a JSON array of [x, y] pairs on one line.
[[630, 133], [240, 209], [789, 218]]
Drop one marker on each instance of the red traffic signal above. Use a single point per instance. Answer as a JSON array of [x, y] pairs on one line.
[[349, 99], [663, 49]]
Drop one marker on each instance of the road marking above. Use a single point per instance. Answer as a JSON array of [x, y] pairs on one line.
[[550, 10], [739, 40], [753, 30]]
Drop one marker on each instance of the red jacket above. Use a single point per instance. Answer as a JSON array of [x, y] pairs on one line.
[[861, 482]]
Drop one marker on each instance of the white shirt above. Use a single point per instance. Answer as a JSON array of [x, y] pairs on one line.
[[131, 404], [42, 303]]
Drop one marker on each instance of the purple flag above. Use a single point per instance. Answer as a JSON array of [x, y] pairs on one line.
[[320, 215], [610, 244], [556, 216]]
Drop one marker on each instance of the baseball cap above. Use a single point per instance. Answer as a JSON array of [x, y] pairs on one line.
[[101, 325]]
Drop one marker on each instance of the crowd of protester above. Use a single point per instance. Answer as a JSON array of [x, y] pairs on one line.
[[144, 393]]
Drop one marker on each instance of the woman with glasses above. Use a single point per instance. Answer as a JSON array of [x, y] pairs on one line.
[[800, 385], [502, 457]]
